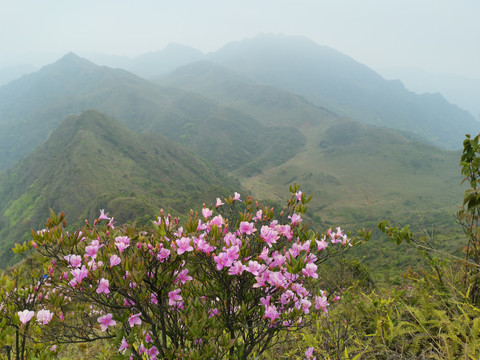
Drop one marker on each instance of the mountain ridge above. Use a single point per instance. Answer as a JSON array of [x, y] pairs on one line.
[[92, 162]]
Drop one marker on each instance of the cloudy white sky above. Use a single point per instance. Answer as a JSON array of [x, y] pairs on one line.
[[440, 36]]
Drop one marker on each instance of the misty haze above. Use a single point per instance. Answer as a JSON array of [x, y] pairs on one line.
[[239, 181]]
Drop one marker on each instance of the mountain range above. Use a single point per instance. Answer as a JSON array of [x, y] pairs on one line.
[[92, 162], [255, 116]]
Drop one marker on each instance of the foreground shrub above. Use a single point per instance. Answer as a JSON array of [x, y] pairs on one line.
[[222, 285]]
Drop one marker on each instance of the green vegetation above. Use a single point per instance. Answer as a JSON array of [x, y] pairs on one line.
[[205, 132], [335, 81], [91, 162]]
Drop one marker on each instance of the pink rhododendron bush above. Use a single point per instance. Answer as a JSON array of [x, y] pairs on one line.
[[222, 284]]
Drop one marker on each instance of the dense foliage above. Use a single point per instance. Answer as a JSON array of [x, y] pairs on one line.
[[223, 285]]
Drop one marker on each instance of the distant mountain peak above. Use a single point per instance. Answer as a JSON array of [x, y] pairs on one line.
[[72, 60]]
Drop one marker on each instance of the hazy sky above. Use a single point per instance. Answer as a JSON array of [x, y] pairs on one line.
[[435, 35]]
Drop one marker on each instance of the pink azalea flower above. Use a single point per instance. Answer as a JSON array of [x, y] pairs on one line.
[[264, 254], [219, 203], [247, 228], [271, 313], [255, 268], [179, 232], [269, 235], [205, 247], [233, 253], [309, 352], [296, 219], [103, 216], [53, 348], [91, 250], [106, 321], [266, 300], [201, 226], [286, 297], [153, 352], [183, 276], [183, 245], [310, 271], [174, 297], [73, 260], [231, 240], [213, 312], [25, 316], [285, 230], [44, 316], [237, 269], [123, 346], [278, 260], [258, 215], [103, 286], [236, 197], [135, 320], [299, 195], [154, 299], [222, 260], [79, 274], [321, 244], [158, 222], [277, 279], [304, 304], [122, 242], [218, 221], [163, 254], [142, 349], [114, 260], [321, 302], [148, 337], [206, 212]]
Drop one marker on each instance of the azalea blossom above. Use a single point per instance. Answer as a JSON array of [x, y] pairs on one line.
[[106, 321], [296, 219], [114, 260], [123, 346], [44, 316], [298, 194], [183, 276], [103, 286], [218, 221], [206, 212], [269, 235], [236, 197], [79, 275], [103, 216], [73, 260], [91, 250], [237, 269], [153, 352], [174, 297], [321, 302], [122, 242], [219, 203], [25, 316], [247, 228], [309, 353], [135, 320], [271, 313], [183, 245]]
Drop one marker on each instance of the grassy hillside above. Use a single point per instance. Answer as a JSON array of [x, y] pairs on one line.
[[358, 174], [91, 162]]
